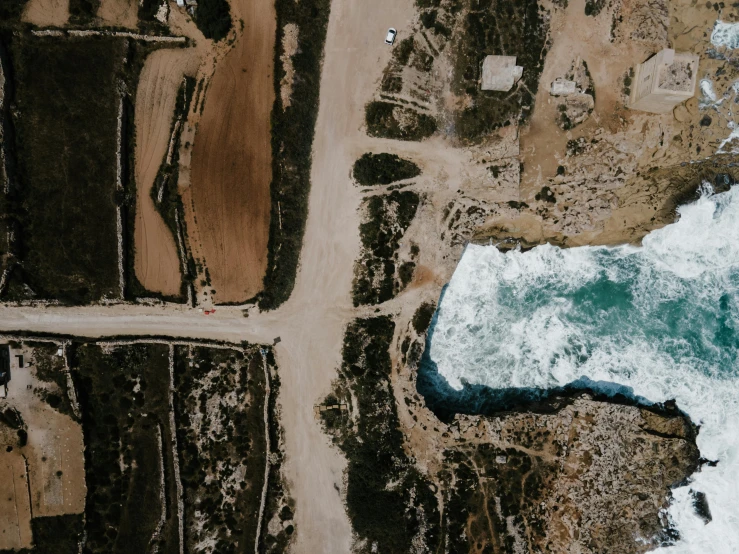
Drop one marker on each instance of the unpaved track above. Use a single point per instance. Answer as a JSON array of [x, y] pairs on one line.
[[232, 158], [311, 324], [46, 13], [121, 13], [156, 260]]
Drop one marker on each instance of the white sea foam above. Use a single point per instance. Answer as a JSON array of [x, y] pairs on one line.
[[662, 319], [725, 35]]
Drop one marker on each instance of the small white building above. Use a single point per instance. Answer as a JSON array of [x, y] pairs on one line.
[[500, 73], [563, 87]]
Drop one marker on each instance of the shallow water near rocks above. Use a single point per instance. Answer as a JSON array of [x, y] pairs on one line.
[[652, 323]]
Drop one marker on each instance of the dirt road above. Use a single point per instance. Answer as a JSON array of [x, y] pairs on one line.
[[311, 324], [156, 262], [232, 158]]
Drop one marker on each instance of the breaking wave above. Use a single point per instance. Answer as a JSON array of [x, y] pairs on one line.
[[655, 322]]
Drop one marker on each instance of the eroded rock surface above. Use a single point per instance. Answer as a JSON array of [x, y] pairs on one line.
[[591, 476]]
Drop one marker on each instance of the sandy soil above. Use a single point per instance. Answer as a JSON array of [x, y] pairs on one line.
[[232, 158], [157, 262], [55, 446], [121, 13], [47, 13], [543, 143]]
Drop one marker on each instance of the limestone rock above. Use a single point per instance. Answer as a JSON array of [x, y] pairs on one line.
[[586, 476]]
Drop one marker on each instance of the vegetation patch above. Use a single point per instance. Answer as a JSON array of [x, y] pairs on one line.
[[594, 7], [132, 468], [63, 202], [278, 527], [50, 369], [11, 11], [219, 406], [422, 317], [391, 505], [55, 535], [503, 28], [123, 398], [83, 12], [213, 18], [383, 169], [393, 121], [292, 142], [387, 218]]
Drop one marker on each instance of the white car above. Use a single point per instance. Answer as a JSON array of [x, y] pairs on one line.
[[390, 37]]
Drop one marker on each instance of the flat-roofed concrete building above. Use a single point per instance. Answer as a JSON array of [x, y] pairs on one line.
[[563, 87], [663, 81], [500, 73]]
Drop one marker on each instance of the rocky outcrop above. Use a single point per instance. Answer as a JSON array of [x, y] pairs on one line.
[[569, 473], [585, 476]]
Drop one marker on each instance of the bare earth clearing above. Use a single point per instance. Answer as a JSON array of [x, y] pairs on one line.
[[47, 12], [121, 13], [232, 159], [48, 474], [157, 262]]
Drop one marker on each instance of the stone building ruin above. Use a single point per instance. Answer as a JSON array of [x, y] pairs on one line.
[[665, 80]]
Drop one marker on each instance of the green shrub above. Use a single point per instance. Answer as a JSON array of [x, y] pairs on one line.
[[546, 195], [213, 18], [383, 121], [383, 169], [66, 162], [594, 7], [386, 495], [422, 317], [404, 50], [11, 10], [83, 12], [428, 19]]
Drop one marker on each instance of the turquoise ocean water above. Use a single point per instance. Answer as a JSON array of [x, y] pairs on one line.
[[660, 321]]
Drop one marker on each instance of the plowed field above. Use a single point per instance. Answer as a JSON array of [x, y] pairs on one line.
[[157, 262], [232, 158]]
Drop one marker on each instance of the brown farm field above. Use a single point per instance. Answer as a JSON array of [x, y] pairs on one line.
[[46, 12], [232, 159], [119, 12], [157, 264]]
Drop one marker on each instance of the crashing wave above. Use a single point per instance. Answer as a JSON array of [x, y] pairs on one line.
[[662, 319], [725, 35]]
